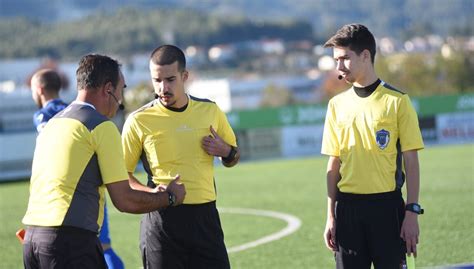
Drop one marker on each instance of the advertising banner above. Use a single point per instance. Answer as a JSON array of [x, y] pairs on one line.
[[429, 106], [260, 143], [455, 127], [277, 117], [315, 114], [301, 140]]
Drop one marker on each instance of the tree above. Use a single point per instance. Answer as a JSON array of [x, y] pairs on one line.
[[428, 73], [138, 96], [275, 96]]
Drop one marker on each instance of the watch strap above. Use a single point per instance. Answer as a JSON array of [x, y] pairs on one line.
[[415, 208], [231, 156]]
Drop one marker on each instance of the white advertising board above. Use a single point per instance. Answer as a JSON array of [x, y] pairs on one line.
[[455, 127], [301, 140]]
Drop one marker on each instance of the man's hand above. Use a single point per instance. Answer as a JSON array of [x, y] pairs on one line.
[[330, 234], [137, 185], [214, 145], [410, 232], [178, 189], [160, 188]]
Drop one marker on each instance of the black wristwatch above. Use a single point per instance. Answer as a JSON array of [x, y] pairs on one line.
[[171, 199], [231, 156], [415, 208]]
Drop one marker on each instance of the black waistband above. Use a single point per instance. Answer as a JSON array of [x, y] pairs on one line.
[[342, 196], [61, 229], [211, 204], [192, 209]]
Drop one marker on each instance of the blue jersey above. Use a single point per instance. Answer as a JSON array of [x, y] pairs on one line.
[[43, 115]]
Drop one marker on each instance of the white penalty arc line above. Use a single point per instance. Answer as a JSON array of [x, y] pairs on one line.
[[293, 224]]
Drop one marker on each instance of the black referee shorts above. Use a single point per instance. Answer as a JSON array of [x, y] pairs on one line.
[[62, 247], [368, 230], [183, 237]]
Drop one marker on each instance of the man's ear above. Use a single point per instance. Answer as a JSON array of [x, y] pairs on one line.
[[185, 75], [366, 54], [108, 88], [39, 90]]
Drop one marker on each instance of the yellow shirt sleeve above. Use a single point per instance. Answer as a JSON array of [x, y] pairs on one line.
[[330, 144], [408, 127], [109, 152], [131, 144], [224, 130]]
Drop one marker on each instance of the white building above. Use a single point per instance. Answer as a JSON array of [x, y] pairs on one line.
[[234, 94]]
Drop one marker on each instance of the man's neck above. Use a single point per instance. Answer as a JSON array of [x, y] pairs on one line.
[[88, 98], [46, 100], [178, 106], [369, 78], [368, 90]]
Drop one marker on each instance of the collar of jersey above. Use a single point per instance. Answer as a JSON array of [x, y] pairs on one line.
[[52, 101], [82, 103], [166, 110], [371, 96]]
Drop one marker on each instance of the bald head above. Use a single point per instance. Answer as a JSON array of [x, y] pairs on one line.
[[48, 80], [45, 86]]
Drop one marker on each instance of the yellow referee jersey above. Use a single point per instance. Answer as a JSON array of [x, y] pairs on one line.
[[77, 152], [169, 143], [369, 135]]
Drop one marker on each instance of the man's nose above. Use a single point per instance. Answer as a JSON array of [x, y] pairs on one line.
[[339, 65], [164, 87]]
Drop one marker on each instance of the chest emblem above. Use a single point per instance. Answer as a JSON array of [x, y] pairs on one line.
[[382, 137]]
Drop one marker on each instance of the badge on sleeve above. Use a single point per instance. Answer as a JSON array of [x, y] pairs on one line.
[[382, 137]]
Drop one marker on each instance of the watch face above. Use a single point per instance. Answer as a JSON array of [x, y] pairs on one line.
[[171, 198], [416, 208]]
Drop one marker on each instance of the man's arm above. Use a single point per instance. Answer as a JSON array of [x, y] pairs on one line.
[[137, 185], [214, 145], [129, 200], [333, 176], [410, 229]]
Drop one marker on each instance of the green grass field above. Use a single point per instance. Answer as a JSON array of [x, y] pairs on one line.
[[296, 187]]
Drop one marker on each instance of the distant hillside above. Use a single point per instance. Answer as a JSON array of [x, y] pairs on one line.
[[399, 18], [129, 31]]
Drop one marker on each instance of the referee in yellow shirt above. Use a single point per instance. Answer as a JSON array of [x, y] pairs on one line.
[[78, 154], [371, 135], [179, 134]]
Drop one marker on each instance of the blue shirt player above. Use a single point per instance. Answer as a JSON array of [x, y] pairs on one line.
[[42, 116]]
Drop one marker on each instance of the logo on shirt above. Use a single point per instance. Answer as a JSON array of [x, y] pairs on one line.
[[382, 137], [40, 117], [183, 128]]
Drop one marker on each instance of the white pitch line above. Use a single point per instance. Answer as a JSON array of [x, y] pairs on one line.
[[293, 224]]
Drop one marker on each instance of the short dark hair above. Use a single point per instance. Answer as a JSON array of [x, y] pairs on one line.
[[356, 37], [96, 70], [49, 80], [168, 54]]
